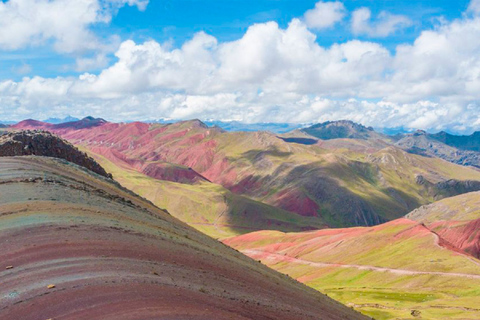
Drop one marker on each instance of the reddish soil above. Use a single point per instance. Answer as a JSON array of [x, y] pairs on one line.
[[296, 201], [464, 235], [112, 255]]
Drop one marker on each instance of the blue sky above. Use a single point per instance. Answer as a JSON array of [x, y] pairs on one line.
[[384, 63], [178, 20]]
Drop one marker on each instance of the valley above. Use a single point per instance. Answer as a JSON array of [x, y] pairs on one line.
[[325, 206], [239, 160], [77, 245], [389, 271]]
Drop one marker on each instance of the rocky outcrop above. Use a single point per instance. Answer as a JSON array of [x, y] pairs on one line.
[[443, 146], [448, 188], [43, 143]]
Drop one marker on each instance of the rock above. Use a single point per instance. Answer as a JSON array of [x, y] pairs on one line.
[[415, 313], [43, 143]]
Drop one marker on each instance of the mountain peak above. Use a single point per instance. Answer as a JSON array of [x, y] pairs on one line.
[[30, 123], [341, 129], [194, 123], [90, 118]]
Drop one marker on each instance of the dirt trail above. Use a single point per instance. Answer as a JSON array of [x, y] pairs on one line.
[[438, 242], [257, 254]]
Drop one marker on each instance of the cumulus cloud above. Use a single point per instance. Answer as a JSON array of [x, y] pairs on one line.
[[279, 62], [33, 22], [325, 15], [274, 74], [385, 24]]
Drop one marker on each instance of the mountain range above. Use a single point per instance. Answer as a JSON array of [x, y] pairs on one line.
[[387, 224], [350, 176], [77, 245]]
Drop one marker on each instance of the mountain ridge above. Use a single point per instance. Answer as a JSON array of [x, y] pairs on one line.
[[310, 180], [70, 235], [41, 143]]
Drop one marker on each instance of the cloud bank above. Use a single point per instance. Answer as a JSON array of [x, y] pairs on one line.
[[275, 75]]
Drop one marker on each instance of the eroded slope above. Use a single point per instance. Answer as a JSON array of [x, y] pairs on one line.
[[77, 246], [456, 219], [398, 270]]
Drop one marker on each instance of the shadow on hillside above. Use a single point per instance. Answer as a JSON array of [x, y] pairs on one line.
[[305, 141], [338, 205], [258, 155]]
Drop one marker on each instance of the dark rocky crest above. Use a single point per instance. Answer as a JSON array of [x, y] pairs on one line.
[[43, 143]]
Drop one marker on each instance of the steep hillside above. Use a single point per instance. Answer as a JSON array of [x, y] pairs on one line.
[[456, 219], [209, 207], [74, 245], [461, 150], [398, 270], [464, 207], [377, 183]]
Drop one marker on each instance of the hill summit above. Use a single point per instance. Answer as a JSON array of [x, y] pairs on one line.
[[342, 129], [43, 143]]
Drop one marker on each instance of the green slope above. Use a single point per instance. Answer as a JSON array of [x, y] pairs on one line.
[[209, 207], [464, 207], [387, 271]]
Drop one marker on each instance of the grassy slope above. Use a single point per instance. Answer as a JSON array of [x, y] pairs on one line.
[[208, 207], [112, 255], [456, 219], [384, 179], [343, 182], [402, 244], [464, 207], [371, 176]]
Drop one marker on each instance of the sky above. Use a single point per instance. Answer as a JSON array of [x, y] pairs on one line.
[[391, 63]]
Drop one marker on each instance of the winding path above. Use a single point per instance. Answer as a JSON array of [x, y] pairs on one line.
[[257, 254]]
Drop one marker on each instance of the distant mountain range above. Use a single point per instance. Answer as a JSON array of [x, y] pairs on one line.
[[60, 120], [75, 244], [241, 126], [310, 173], [289, 200], [463, 150]]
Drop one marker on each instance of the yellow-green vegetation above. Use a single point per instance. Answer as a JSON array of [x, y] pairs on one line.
[[464, 207], [378, 181], [392, 271], [208, 207], [385, 180]]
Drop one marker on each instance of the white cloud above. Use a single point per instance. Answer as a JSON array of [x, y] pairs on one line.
[[274, 74], [385, 24], [33, 22], [474, 6], [325, 15]]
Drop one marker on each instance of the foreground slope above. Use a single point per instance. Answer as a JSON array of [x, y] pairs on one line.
[[400, 269], [75, 245], [377, 181]]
